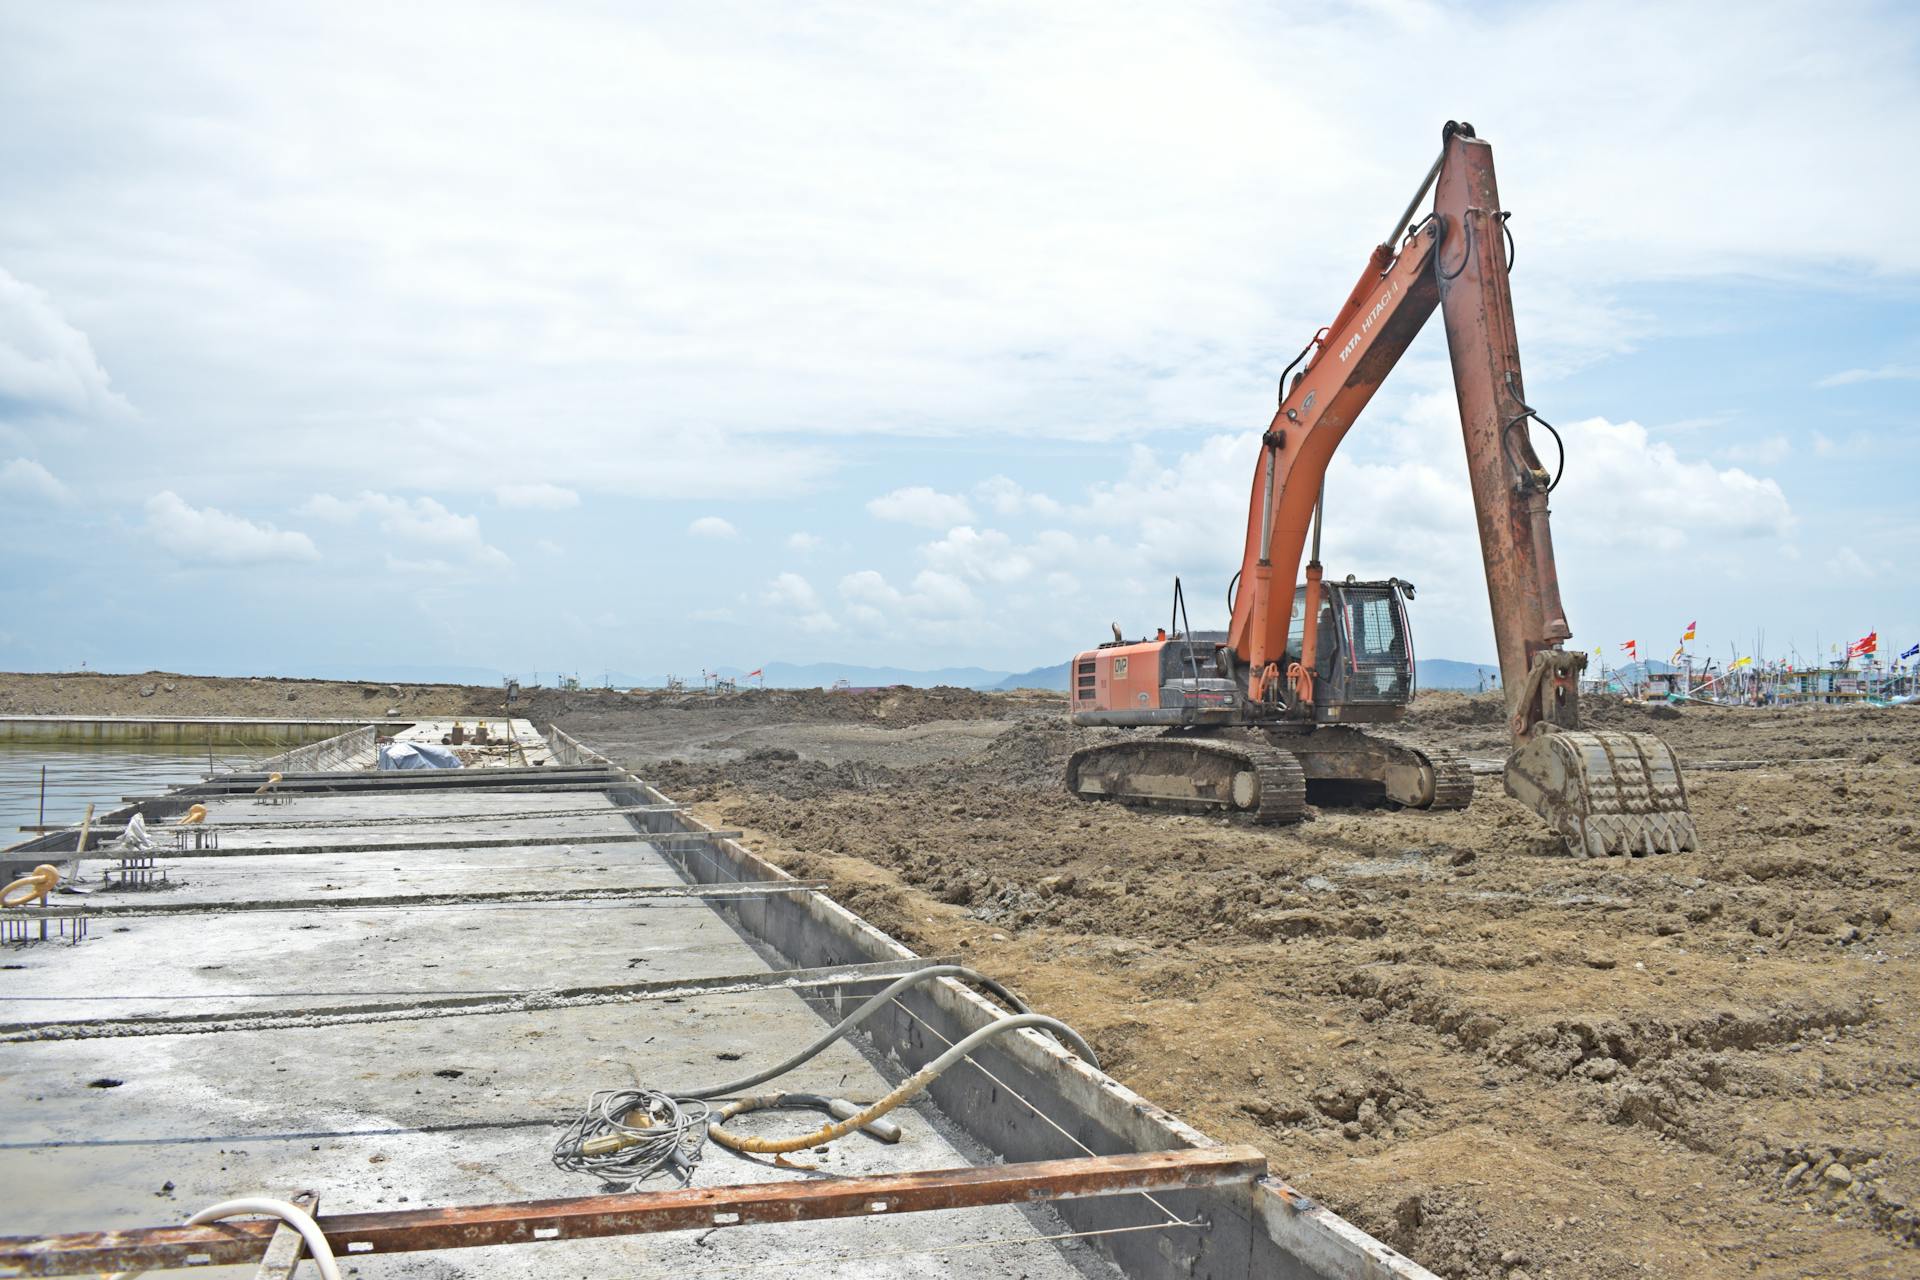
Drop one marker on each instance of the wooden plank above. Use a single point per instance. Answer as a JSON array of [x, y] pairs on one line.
[[531, 1221], [288, 1246]]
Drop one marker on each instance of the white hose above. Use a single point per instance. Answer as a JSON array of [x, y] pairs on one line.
[[292, 1214]]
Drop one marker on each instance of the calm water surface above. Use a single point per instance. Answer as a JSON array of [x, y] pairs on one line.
[[78, 775]]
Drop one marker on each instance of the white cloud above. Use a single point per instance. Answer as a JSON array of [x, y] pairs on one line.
[[210, 536], [712, 527], [1626, 490], [27, 479], [918, 504], [536, 497], [47, 366], [1885, 373], [804, 543], [423, 521], [982, 556], [1769, 451], [793, 596], [1008, 498], [1187, 515], [932, 596], [1850, 563]]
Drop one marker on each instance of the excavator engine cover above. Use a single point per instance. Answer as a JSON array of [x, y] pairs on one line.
[[1604, 791]]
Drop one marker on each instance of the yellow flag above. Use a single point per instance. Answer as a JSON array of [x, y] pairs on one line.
[[1743, 662]]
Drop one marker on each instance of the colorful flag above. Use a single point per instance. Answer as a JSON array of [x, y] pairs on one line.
[[1689, 631], [1869, 643], [1679, 651]]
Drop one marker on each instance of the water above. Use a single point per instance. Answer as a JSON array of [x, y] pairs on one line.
[[83, 774]]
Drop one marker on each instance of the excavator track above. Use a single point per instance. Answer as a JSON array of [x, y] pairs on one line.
[[1185, 773], [1452, 775]]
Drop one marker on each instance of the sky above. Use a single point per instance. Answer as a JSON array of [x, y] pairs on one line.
[[576, 337]]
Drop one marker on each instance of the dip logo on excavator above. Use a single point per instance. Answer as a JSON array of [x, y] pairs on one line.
[[1366, 325]]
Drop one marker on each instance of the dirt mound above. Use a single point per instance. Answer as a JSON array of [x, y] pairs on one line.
[[162, 694], [1501, 1060]]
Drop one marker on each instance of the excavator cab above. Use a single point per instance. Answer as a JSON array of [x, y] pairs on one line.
[[1363, 660]]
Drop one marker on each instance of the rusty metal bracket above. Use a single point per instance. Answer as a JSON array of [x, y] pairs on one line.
[[752, 1204]]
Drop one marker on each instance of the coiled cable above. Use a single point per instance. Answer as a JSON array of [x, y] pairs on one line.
[[624, 1135]]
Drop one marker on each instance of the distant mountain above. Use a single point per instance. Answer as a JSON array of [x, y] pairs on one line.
[[1054, 677]]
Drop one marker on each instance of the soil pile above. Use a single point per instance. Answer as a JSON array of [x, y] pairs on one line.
[[1502, 1060]]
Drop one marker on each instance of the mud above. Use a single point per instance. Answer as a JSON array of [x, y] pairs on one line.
[[1503, 1061]]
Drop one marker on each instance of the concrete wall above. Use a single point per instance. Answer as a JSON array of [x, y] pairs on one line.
[[1032, 1100], [171, 731]]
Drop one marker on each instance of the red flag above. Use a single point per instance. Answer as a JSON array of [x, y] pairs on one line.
[[1869, 643], [751, 674], [1632, 649]]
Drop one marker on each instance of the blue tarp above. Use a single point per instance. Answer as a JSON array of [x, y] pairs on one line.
[[417, 755]]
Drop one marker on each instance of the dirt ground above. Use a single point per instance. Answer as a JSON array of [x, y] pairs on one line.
[[1503, 1061], [163, 693]]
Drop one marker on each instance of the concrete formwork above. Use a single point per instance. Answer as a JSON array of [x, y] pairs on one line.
[[1030, 1099], [325, 1054]]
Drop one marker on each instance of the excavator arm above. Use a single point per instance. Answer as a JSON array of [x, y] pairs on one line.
[[1603, 791]]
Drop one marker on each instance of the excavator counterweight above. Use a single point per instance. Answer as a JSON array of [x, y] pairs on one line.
[[1295, 692]]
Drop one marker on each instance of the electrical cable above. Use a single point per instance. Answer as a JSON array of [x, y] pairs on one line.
[[601, 1141], [872, 1006], [905, 1091]]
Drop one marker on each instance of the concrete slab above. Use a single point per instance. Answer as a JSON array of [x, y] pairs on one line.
[[140, 1129]]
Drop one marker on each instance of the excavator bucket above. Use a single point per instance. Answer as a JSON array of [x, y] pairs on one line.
[[1604, 792]]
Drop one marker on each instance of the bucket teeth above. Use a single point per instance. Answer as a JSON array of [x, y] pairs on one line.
[[1605, 792]]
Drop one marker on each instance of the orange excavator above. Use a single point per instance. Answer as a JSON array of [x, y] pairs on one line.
[[1306, 684]]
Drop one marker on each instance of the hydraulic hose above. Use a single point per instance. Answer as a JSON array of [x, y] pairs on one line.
[[902, 1092], [600, 1141], [1061, 1030], [32, 887]]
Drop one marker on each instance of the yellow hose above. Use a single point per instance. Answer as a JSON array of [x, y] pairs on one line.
[[826, 1133], [37, 883], [262, 788], [193, 816]]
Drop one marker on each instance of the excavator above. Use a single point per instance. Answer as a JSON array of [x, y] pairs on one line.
[[1308, 681]]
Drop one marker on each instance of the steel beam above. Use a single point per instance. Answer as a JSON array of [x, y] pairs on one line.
[[428, 1005], [584, 838], [702, 1208]]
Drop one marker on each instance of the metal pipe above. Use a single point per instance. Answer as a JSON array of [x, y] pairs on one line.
[[1426, 184], [1319, 505]]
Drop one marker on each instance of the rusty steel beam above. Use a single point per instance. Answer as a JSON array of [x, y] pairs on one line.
[[703, 1208]]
